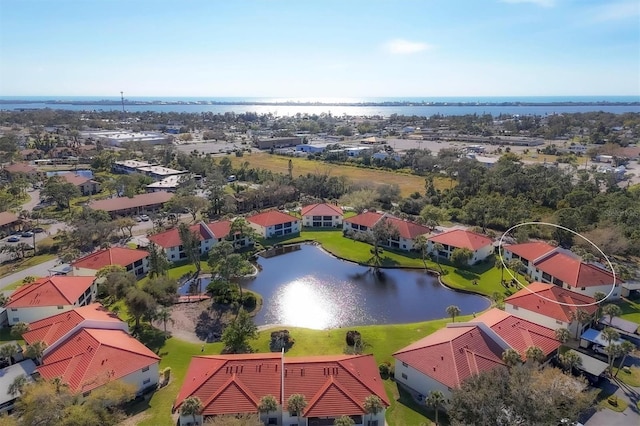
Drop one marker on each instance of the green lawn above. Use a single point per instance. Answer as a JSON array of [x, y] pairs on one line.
[[630, 310], [632, 378], [384, 340]]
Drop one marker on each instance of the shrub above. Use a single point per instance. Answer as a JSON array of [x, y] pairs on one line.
[[280, 339], [384, 370], [249, 301], [353, 336], [613, 400]]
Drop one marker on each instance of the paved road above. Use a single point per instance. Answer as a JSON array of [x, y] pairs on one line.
[[35, 199], [41, 270]]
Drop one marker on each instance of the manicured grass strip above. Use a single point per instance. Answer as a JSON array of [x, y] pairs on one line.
[[23, 264], [619, 407]]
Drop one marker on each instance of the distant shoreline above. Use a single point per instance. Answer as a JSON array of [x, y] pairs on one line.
[[341, 104]]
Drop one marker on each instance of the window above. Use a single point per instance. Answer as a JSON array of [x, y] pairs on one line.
[[404, 376], [138, 263], [146, 381], [272, 421], [16, 319], [86, 394], [60, 307], [515, 308], [558, 322], [404, 364], [583, 288], [14, 309], [278, 226], [145, 369]]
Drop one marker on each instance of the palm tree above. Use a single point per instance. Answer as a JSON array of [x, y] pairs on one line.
[[268, 403], [19, 329], [582, 317], [625, 349], [437, 248], [612, 311], [517, 266], [599, 296], [535, 354], [570, 360], [372, 405], [18, 385], [191, 406], [500, 265], [295, 404], [511, 357], [421, 244], [9, 351], [35, 350], [453, 311], [562, 335], [343, 420], [164, 315], [610, 335], [435, 400]]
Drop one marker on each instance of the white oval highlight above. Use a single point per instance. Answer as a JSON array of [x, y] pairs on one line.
[[613, 272]]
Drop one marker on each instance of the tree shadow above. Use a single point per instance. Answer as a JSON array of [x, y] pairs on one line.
[[151, 337], [408, 398], [467, 275], [211, 322]]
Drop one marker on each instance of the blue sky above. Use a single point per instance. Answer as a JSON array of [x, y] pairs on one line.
[[328, 49]]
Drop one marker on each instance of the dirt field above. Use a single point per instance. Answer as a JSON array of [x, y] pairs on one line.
[[196, 322], [301, 166]]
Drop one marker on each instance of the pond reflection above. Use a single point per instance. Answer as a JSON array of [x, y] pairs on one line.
[[310, 288]]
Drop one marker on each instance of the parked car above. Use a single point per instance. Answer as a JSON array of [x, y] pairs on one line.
[[144, 218], [137, 219], [38, 230], [13, 239], [27, 234], [599, 349]]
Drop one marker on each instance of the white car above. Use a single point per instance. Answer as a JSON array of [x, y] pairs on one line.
[[144, 218], [599, 349]]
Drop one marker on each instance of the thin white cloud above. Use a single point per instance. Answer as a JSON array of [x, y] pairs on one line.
[[541, 3], [617, 11], [405, 47]]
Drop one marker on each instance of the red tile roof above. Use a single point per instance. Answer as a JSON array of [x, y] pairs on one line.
[[461, 238], [50, 291], [452, 354], [91, 357], [20, 168], [74, 179], [111, 256], [123, 203], [50, 329], [530, 251], [367, 219], [407, 230], [270, 218], [171, 238], [332, 385], [519, 333], [323, 209], [530, 298], [7, 218], [573, 272]]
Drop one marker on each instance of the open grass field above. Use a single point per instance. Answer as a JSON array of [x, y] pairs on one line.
[[301, 166], [632, 378]]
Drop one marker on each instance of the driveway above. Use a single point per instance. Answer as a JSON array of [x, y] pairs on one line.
[[629, 417]]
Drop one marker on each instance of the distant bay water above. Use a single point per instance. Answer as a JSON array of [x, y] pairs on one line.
[[419, 106]]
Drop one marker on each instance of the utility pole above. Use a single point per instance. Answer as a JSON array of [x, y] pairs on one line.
[[124, 113]]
